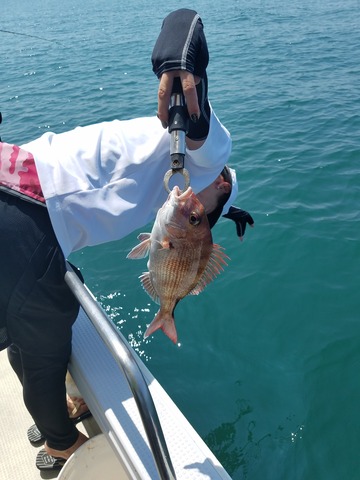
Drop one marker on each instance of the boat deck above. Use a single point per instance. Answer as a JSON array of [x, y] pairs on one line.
[[16, 453], [114, 413]]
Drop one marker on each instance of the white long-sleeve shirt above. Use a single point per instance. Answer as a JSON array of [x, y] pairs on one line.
[[103, 181]]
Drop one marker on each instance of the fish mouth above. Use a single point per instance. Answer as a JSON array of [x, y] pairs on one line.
[[180, 195]]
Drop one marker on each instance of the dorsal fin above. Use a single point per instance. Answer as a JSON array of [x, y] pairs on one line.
[[213, 268]]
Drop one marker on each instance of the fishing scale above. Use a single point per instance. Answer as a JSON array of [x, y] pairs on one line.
[[178, 127]]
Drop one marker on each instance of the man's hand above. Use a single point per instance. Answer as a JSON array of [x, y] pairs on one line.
[[181, 51], [241, 218], [188, 82]]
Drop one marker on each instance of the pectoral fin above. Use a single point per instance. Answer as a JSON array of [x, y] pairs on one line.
[[141, 250]]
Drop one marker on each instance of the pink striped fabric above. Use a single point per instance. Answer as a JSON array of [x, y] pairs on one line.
[[18, 172]]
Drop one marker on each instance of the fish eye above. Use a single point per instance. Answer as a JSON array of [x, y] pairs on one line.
[[194, 219]]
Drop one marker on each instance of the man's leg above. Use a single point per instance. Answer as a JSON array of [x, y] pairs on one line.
[[40, 312]]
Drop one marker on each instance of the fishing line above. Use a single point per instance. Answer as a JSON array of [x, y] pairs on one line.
[[32, 36]]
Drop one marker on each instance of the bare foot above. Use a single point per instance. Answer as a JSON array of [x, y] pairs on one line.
[[76, 406], [69, 451]]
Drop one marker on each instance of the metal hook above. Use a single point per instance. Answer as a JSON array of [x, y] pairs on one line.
[[170, 173], [178, 126]]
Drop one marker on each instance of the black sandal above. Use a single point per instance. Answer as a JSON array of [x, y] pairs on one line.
[[35, 436], [46, 462]]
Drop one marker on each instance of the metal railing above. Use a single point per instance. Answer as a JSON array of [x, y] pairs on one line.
[[125, 358]]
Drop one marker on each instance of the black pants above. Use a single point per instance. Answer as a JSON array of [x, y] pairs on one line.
[[37, 309]]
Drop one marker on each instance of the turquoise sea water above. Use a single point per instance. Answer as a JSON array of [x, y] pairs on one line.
[[268, 367]]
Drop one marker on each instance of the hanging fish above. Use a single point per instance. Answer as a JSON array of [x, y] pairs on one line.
[[182, 256]]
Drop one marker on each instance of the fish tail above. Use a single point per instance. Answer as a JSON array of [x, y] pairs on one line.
[[166, 323]]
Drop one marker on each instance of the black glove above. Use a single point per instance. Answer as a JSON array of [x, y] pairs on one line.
[[241, 218], [182, 45]]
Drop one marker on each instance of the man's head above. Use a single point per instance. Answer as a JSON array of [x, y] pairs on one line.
[[215, 196], [217, 199]]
